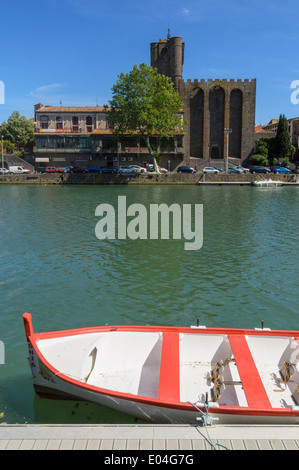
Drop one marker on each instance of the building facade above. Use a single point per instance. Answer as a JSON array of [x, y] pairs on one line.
[[210, 107], [270, 130], [81, 136], [293, 128]]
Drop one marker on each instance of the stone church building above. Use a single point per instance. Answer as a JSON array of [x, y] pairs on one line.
[[82, 136], [210, 108]]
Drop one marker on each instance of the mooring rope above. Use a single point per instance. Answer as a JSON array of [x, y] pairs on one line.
[[206, 419]]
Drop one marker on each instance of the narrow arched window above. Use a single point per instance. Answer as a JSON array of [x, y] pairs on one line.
[[58, 122], [88, 123], [44, 122], [216, 105], [75, 124], [235, 123]]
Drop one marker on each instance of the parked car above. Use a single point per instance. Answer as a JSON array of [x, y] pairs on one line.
[[77, 169], [4, 171], [40, 169], [186, 169], [67, 169], [150, 167], [259, 169], [93, 169], [127, 170], [162, 170], [107, 169], [235, 170], [139, 169], [18, 169], [280, 169], [210, 169], [53, 169], [219, 169], [296, 171], [245, 170]]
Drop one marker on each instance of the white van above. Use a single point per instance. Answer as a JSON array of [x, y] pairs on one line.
[[18, 169]]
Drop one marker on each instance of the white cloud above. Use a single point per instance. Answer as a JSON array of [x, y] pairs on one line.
[[46, 90], [186, 11]]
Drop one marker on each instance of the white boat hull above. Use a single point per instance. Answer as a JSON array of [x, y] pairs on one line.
[[159, 397], [267, 183], [56, 388]]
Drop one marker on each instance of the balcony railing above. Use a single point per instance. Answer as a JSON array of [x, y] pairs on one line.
[[73, 130], [61, 150]]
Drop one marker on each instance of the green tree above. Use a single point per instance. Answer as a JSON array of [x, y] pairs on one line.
[[8, 146], [262, 147], [18, 130], [271, 149], [259, 160], [145, 102], [283, 147]]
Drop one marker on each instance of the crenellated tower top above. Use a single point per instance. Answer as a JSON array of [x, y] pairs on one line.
[[167, 56]]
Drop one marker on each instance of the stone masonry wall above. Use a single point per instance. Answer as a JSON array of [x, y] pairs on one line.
[[189, 90], [150, 178]]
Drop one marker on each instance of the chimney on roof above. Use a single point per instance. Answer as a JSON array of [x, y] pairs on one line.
[[38, 106]]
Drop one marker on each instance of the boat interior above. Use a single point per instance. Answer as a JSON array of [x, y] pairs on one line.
[[255, 371]]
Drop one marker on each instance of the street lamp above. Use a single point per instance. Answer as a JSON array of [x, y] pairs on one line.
[[227, 131], [2, 165]]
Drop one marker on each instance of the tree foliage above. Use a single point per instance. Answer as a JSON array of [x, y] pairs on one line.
[[145, 102], [18, 130], [277, 150], [8, 146], [283, 147], [262, 147], [258, 159]]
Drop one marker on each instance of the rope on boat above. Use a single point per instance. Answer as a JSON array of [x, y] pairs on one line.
[[206, 419]]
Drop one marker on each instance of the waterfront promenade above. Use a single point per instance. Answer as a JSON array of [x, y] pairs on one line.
[[148, 437]]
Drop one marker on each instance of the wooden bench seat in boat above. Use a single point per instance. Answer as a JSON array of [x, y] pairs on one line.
[[252, 383], [169, 381]]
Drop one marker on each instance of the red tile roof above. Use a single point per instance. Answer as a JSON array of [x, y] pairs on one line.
[[71, 109]]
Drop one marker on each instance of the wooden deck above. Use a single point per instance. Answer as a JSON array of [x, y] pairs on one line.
[[147, 437]]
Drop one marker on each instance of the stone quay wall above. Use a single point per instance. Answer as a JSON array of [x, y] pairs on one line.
[[149, 178]]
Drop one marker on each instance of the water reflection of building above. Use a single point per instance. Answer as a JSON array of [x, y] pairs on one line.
[[80, 136]]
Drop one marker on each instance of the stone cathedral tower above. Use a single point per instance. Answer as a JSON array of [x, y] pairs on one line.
[[210, 106], [167, 56]]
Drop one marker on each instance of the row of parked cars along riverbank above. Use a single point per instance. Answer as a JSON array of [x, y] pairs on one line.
[[136, 169], [239, 169]]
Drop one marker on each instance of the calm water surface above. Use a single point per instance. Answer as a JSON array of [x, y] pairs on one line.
[[54, 267]]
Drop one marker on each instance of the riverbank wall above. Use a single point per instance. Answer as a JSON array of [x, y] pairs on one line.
[[149, 178]]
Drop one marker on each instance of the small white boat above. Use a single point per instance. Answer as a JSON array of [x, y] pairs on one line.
[[172, 374], [266, 183]]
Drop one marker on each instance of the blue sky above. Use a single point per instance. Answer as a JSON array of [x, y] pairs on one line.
[[71, 51]]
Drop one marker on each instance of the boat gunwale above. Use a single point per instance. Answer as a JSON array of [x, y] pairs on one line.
[[33, 338]]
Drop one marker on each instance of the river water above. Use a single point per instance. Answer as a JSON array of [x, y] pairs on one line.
[[53, 266]]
